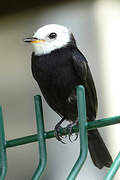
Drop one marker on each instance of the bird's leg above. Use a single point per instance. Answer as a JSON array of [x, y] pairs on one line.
[[57, 130], [69, 130]]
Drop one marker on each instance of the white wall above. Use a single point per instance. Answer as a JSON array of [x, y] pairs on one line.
[[108, 23], [18, 87]]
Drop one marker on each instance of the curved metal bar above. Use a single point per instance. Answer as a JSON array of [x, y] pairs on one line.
[[3, 156], [113, 169], [41, 138], [83, 133]]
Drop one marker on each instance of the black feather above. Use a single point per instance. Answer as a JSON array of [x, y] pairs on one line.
[[57, 74]]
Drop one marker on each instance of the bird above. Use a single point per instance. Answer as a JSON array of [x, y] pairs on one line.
[[59, 66]]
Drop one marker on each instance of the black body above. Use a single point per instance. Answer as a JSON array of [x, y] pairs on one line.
[[57, 74]]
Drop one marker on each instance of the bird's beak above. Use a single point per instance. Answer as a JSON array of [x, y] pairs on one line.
[[33, 40]]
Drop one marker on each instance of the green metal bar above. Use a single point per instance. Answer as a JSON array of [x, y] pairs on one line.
[[103, 122], [3, 156], [83, 133], [50, 134], [41, 138], [90, 125], [21, 141], [113, 169]]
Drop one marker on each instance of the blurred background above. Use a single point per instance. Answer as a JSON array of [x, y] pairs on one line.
[[96, 27]]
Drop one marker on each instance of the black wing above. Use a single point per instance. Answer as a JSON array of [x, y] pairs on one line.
[[83, 72]]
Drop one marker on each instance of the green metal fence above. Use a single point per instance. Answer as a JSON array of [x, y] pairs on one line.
[[42, 135]]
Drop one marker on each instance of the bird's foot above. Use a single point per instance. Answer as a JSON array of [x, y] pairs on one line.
[[57, 131], [57, 134], [69, 130]]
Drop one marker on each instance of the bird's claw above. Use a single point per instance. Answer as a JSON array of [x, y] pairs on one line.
[[69, 130], [57, 134]]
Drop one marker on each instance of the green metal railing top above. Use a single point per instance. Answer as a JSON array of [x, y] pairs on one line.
[[42, 135]]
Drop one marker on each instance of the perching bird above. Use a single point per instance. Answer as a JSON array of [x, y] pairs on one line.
[[58, 67]]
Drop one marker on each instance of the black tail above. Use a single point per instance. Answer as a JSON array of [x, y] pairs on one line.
[[98, 151]]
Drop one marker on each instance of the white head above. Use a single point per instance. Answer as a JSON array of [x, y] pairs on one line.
[[49, 38]]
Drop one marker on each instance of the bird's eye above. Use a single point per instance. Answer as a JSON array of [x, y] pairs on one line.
[[52, 35]]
